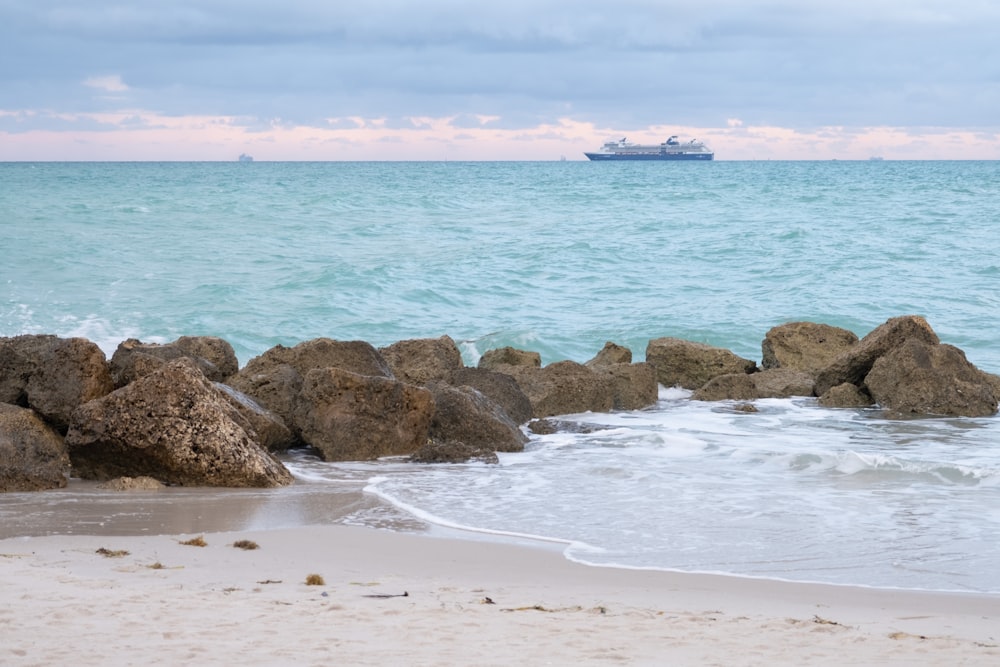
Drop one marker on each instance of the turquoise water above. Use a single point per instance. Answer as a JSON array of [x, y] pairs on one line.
[[560, 257]]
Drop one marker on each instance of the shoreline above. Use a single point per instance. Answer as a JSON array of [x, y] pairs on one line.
[[466, 602]]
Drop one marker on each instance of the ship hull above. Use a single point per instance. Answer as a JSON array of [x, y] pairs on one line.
[[649, 157]]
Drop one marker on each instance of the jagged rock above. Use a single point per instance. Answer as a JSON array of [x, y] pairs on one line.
[[611, 354], [463, 414], [275, 378], [804, 346], [782, 383], [453, 451], [691, 365], [132, 484], [352, 417], [32, 454], [853, 364], [634, 386], [423, 360], [174, 425], [918, 378], [509, 356], [52, 375], [500, 387], [564, 387], [548, 426], [845, 395], [272, 433], [731, 386], [134, 359]]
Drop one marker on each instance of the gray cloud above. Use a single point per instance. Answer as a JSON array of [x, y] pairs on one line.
[[632, 63]]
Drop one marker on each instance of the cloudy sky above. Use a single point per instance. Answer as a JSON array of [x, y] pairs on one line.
[[511, 80]]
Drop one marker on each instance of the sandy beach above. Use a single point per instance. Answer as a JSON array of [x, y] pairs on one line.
[[390, 598]]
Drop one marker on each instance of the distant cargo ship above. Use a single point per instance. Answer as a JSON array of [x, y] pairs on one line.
[[671, 149], [246, 158]]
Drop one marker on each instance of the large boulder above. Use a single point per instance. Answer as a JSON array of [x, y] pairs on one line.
[[771, 383], [502, 388], [919, 378], [52, 375], [728, 387], [272, 433], [351, 417], [633, 386], [32, 454], [173, 425], [564, 387], [466, 415], [275, 378], [423, 360], [853, 364], [500, 357], [804, 346], [687, 364], [845, 395], [133, 358]]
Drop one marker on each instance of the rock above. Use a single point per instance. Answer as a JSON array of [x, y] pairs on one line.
[[463, 414], [500, 387], [272, 433], [691, 365], [845, 395], [564, 387], [509, 356], [423, 360], [633, 386], [132, 484], [133, 358], [548, 426], [782, 383], [173, 425], [352, 417], [275, 378], [731, 386], [804, 346], [453, 451], [32, 454], [52, 375], [920, 378], [611, 354], [853, 364]]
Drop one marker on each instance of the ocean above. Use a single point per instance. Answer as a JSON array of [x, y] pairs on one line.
[[560, 257]]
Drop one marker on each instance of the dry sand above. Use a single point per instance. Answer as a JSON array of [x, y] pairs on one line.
[[466, 602]]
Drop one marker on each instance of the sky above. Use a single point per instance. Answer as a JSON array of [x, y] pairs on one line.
[[487, 80]]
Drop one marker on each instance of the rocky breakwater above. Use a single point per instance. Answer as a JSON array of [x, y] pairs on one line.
[[183, 413]]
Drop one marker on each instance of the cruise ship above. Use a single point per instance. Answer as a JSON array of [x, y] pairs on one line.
[[671, 149]]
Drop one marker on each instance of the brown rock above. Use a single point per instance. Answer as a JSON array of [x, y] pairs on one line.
[[564, 387], [173, 425], [270, 429], [453, 451], [52, 375], [275, 388], [32, 454], [463, 414], [423, 360], [133, 358], [509, 356], [633, 386], [352, 417], [782, 383], [611, 354], [804, 346], [853, 364], [845, 395], [500, 387], [918, 378], [132, 484], [691, 365], [728, 387]]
